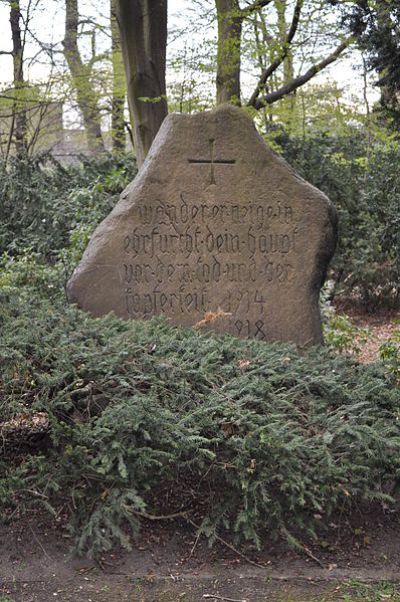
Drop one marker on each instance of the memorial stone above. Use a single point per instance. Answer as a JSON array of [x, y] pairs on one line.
[[215, 223]]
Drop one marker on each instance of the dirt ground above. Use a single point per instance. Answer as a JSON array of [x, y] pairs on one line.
[[355, 559], [167, 564]]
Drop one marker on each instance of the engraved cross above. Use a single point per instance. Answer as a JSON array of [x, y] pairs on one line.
[[212, 161]]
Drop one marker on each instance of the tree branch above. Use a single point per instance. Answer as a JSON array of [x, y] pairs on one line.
[[255, 6], [49, 49], [6, 52], [24, 101], [96, 25], [295, 83], [268, 71], [96, 59]]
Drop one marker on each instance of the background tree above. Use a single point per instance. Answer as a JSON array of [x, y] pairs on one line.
[[231, 18], [143, 31], [81, 74], [376, 26], [19, 114], [18, 123], [279, 45], [28, 112], [118, 85]]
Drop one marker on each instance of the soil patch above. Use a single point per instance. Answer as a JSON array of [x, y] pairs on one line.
[[167, 564]]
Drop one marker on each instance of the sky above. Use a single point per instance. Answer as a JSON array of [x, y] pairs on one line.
[[48, 24]]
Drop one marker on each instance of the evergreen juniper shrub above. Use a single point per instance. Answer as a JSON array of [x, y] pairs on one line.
[[246, 436]]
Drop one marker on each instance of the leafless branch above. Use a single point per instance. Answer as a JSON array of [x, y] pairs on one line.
[[48, 49], [161, 517], [296, 82], [99, 26], [217, 597], [43, 109], [255, 6], [230, 546], [96, 59]]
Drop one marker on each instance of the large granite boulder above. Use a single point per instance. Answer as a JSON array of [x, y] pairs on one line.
[[217, 229]]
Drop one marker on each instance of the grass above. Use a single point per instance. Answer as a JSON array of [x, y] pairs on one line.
[[355, 591]]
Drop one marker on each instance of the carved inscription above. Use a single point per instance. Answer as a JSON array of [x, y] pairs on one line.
[[260, 216], [177, 254]]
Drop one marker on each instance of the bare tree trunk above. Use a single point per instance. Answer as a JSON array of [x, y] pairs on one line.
[[80, 73], [230, 19], [20, 123], [143, 32], [265, 55], [288, 70], [118, 85], [289, 102]]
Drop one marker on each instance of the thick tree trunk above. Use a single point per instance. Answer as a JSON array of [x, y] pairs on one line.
[[20, 123], [143, 32], [80, 73], [118, 85], [228, 55]]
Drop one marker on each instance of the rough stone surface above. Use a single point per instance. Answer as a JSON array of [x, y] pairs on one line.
[[214, 222]]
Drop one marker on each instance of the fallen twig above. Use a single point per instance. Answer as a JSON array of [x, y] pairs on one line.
[[231, 547], [38, 541], [147, 516], [36, 493], [311, 555], [300, 546], [195, 544], [215, 597]]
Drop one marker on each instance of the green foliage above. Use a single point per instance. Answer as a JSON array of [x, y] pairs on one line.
[[44, 203], [390, 355], [342, 335], [145, 417], [360, 175], [339, 333], [27, 270]]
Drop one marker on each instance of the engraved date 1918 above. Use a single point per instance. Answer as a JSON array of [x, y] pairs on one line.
[[247, 328]]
